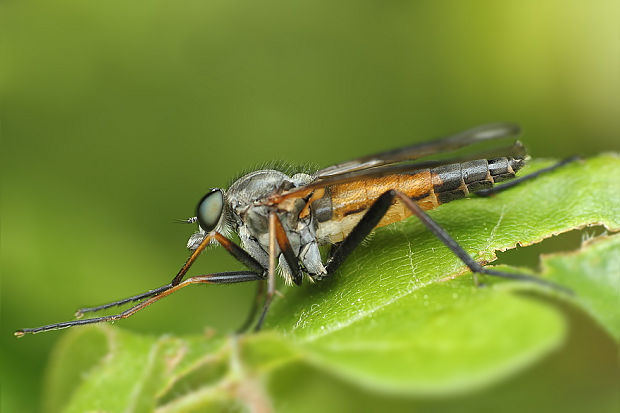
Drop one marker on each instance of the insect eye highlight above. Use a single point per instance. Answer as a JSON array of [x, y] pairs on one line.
[[209, 209]]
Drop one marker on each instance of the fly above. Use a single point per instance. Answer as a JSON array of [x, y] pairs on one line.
[[282, 220]]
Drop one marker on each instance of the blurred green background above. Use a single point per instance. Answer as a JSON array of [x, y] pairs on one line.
[[117, 117]]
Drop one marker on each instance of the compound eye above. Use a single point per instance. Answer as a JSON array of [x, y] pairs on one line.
[[210, 209]]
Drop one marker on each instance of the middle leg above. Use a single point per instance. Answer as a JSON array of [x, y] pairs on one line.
[[277, 234], [260, 290]]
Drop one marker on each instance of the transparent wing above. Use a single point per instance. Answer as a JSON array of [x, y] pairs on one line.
[[516, 150], [454, 142], [396, 161]]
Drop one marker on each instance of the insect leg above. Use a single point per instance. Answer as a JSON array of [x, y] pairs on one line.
[[240, 254], [79, 313], [451, 243], [175, 281], [245, 258], [364, 227], [237, 252], [378, 210], [501, 187], [287, 250], [217, 278], [276, 235], [260, 290]]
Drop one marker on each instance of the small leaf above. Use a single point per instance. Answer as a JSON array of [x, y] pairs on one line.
[[594, 274], [130, 375], [73, 357], [124, 378]]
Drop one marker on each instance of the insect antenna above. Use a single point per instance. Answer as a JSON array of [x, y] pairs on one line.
[[190, 220]]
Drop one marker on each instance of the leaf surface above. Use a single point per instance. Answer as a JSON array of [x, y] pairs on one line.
[[594, 272]]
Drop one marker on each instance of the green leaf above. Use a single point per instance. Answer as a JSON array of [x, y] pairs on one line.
[[594, 273], [74, 355], [130, 373], [124, 380], [402, 316], [395, 295]]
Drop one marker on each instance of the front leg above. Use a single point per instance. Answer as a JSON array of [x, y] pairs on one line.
[[216, 278], [233, 249]]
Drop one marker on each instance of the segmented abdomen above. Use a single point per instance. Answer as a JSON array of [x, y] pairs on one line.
[[456, 181], [343, 205]]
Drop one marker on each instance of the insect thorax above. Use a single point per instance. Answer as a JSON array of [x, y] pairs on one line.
[[251, 219]]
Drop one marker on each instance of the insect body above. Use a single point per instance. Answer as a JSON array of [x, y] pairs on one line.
[[282, 220]]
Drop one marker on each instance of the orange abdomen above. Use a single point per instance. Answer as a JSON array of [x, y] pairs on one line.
[[344, 204], [341, 206], [350, 199]]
